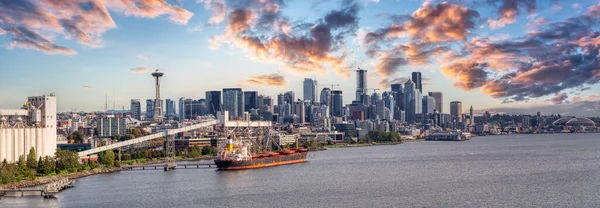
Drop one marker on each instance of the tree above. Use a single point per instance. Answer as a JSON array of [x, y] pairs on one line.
[[47, 165], [107, 158], [8, 172], [66, 160], [22, 168], [31, 161], [195, 152], [209, 150]]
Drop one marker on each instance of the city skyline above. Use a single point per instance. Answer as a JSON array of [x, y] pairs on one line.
[[119, 60]]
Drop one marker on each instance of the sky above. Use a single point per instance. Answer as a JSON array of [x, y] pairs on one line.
[[511, 56]]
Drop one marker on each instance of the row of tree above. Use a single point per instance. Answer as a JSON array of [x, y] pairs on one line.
[[28, 167], [381, 136]]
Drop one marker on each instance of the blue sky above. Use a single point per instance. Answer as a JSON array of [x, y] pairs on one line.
[[154, 38]]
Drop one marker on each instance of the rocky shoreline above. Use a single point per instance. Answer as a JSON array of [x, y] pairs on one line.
[[50, 179]]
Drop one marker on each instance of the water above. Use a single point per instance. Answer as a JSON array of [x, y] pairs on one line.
[[559, 170]]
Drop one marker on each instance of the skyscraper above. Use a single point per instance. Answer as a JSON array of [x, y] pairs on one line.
[[398, 93], [170, 107], [439, 101], [280, 99], [213, 102], [416, 78], [456, 111], [326, 97], [136, 109], [412, 101], [310, 89], [471, 119], [338, 103], [361, 83], [250, 100], [300, 111], [181, 109], [149, 110], [290, 97], [233, 101], [428, 105]]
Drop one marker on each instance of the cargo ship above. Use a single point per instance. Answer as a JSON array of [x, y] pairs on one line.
[[235, 155]]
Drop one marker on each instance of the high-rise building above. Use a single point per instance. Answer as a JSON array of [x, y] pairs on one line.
[[456, 111], [412, 101], [310, 90], [416, 78], [398, 93], [390, 104], [300, 111], [233, 101], [338, 103], [213, 102], [428, 105], [149, 110], [158, 105], [289, 97], [361, 83], [471, 118], [136, 109], [326, 97], [280, 99], [439, 101], [380, 108], [250, 100], [170, 105], [110, 126], [182, 108]]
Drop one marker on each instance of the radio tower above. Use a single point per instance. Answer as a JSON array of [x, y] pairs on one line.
[[158, 113]]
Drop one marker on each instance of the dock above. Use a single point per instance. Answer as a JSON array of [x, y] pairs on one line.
[[169, 166], [49, 191]]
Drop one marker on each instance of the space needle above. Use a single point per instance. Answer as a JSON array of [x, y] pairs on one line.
[[158, 113]]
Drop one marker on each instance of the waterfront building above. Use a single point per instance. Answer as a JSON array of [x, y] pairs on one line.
[[136, 109], [32, 126], [439, 101], [456, 111], [310, 90]]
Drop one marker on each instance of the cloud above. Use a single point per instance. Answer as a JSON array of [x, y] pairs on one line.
[[267, 79], [30, 22], [559, 56], [430, 30], [560, 98], [259, 29], [218, 9], [509, 10], [140, 70], [576, 5], [86, 87]]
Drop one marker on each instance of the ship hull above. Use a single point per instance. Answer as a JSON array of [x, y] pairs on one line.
[[261, 162]]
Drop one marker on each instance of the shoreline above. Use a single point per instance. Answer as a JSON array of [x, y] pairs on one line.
[[54, 178]]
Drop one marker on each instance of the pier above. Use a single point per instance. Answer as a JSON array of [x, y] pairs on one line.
[[49, 191], [169, 166]]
